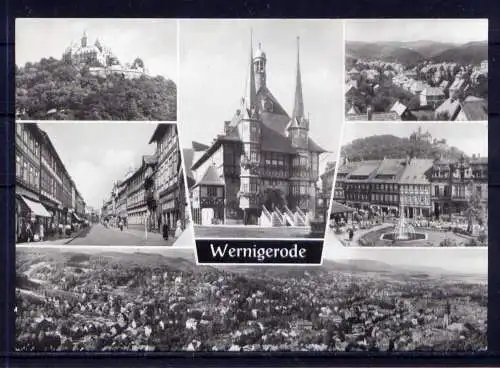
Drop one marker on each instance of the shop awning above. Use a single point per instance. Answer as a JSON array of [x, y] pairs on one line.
[[75, 216], [37, 208]]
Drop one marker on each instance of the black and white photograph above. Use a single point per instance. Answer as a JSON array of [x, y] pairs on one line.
[[100, 183], [154, 299], [411, 185], [416, 69], [96, 69], [255, 157]]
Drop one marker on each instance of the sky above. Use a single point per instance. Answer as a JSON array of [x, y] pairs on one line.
[[471, 138], [153, 40], [457, 260], [214, 64], [98, 154], [458, 31]]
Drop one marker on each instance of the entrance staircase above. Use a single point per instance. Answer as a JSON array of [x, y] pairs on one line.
[[278, 218]]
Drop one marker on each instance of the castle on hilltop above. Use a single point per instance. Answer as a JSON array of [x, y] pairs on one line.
[[100, 60]]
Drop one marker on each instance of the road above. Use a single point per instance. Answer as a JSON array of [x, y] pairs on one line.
[[101, 235]]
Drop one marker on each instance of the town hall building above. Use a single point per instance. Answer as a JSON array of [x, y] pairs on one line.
[[264, 169]]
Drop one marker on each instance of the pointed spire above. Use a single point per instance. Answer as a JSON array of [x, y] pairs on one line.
[[250, 99], [298, 106]]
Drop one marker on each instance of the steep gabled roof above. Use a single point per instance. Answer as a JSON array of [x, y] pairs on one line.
[[415, 171], [475, 109], [197, 146], [210, 177]]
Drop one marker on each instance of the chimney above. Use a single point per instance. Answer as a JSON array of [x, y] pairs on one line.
[[227, 126], [369, 113], [238, 112]]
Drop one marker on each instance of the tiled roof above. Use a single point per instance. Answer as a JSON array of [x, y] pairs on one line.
[[449, 107], [389, 167], [366, 168], [159, 132], [414, 172], [475, 109], [210, 177], [197, 146], [433, 91]]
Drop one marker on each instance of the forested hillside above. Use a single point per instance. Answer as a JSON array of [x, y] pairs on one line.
[[55, 89]]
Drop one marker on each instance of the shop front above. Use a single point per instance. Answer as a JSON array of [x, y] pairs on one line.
[[30, 217]]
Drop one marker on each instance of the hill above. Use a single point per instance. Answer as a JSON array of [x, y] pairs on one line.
[[411, 53], [379, 146], [470, 53], [428, 48], [390, 52], [69, 93]]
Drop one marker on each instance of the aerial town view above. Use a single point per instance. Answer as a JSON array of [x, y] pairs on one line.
[[412, 187], [416, 69], [258, 176], [128, 189], [96, 69], [90, 299]]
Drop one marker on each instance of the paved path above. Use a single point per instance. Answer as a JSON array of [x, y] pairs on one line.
[[101, 235]]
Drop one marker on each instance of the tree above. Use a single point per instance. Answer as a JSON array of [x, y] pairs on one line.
[[76, 94]]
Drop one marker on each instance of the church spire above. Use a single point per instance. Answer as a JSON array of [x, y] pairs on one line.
[[298, 107], [250, 99]]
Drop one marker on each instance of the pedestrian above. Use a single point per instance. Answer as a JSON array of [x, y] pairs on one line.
[[42, 234], [351, 234], [165, 230], [178, 229], [29, 232], [159, 223], [121, 224]]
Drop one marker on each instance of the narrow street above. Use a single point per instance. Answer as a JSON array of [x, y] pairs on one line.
[[100, 235]]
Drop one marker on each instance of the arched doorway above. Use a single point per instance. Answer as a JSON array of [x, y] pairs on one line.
[[273, 198]]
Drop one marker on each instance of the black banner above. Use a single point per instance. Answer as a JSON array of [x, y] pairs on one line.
[[259, 251]]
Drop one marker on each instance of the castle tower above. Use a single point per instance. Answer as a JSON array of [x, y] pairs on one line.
[[250, 132], [298, 127], [84, 39], [259, 66]]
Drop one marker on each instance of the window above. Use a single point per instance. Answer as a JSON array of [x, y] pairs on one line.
[[19, 167], [212, 191], [25, 172]]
